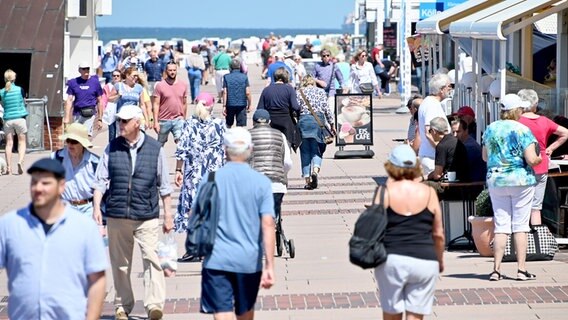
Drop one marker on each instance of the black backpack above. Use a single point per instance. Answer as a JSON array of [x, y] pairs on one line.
[[202, 224], [366, 248]]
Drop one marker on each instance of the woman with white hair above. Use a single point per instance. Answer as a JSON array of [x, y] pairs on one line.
[[199, 150], [12, 98], [542, 128], [345, 69]]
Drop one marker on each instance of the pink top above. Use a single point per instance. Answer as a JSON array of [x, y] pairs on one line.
[[172, 99], [541, 128]]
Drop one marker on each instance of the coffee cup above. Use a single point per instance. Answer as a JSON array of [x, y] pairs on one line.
[[450, 176], [353, 113]]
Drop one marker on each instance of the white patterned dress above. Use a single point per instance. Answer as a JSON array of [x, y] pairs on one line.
[[200, 147]]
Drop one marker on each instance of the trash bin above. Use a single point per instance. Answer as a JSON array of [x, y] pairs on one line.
[[35, 121]]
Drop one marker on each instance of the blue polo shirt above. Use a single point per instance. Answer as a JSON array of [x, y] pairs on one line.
[[245, 195], [275, 66], [47, 274], [154, 69], [236, 84]]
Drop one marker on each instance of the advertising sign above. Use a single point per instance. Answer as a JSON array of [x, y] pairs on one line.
[[354, 118]]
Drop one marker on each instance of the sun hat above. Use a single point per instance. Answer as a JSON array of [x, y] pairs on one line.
[[48, 165], [237, 138], [206, 98], [261, 116], [512, 101], [129, 112], [79, 133], [465, 111], [403, 156]]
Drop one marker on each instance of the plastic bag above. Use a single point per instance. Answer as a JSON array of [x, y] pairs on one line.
[[109, 115], [167, 252]]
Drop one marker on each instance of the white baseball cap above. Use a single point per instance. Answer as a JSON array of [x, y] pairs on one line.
[[84, 64], [237, 138], [129, 112], [512, 101]]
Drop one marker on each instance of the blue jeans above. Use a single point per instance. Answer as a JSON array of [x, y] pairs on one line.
[[310, 152], [166, 126], [112, 131], [194, 82]]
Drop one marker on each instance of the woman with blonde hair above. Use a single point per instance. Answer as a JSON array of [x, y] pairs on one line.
[[309, 96], [199, 150], [414, 239], [128, 92], [12, 99], [363, 77]]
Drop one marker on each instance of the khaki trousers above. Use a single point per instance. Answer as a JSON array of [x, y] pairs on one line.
[[122, 233]]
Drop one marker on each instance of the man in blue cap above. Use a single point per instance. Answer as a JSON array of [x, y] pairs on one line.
[[50, 238]]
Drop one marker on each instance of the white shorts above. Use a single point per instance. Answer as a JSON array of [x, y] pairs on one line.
[[539, 191], [219, 79], [407, 284], [88, 122], [15, 126], [512, 208]]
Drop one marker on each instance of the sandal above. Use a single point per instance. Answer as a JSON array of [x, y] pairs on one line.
[[495, 276], [525, 275]]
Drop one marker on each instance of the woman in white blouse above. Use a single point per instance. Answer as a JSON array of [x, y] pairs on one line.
[[362, 72]]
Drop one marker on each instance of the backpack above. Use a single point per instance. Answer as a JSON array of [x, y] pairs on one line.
[[202, 223], [366, 248]]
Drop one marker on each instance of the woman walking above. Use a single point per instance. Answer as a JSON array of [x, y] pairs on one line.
[[199, 150], [313, 101], [414, 239], [363, 77], [12, 99], [510, 150], [129, 92], [195, 66], [106, 99], [279, 99]]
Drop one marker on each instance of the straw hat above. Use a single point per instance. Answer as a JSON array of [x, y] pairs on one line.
[[77, 132]]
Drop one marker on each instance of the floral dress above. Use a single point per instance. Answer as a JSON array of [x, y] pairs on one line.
[[200, 147]]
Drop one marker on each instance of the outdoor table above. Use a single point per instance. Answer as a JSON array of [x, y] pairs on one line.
[[466, 193]]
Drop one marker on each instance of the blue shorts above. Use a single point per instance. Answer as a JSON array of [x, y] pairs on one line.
[[166, 126], [220, 288]]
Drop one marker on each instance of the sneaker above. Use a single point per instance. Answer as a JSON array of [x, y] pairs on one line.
[[120, 314], [155, 314]]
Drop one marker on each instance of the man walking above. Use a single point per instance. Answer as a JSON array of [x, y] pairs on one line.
[[431, 108], [233, 272], [236, 95], [170, 105], [109, 63], [54, 257], [134, 167], [221, 63], [83, 102], [325, 72], [154, 69]]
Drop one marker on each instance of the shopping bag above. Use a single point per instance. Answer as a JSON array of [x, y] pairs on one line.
[[109, 115], [541, 245], [167, 253]]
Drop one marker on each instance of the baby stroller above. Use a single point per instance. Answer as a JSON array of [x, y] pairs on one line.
[[281, 240]]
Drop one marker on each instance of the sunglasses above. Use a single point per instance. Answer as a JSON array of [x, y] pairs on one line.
[[325, 55], [363, 55], [124, 121], [71, 141], [116, 76], [84, 68]]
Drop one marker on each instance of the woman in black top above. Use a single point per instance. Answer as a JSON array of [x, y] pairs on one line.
[[279, 99], [414, 240]]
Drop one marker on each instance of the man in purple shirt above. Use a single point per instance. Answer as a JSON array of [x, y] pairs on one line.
[[325, 72], [83, 103]]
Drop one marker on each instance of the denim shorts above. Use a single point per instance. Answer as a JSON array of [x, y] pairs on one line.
[[223, 291], [166, 126]]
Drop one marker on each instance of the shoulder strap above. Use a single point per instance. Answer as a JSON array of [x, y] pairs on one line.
[[310, 108], [211, 177], [331, 77], [381, 196], [58, 155]]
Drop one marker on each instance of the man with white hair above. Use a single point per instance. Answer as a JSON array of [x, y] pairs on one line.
[[134, 167], [429, 109], [233, 272]]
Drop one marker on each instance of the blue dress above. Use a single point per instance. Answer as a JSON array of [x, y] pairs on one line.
[[200, 147]]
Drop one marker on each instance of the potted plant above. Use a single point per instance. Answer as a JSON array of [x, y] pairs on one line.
[[482, 224]]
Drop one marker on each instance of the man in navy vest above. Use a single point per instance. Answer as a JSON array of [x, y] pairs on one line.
[[134, 169]]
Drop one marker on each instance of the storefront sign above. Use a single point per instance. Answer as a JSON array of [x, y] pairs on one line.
[[354, 118]]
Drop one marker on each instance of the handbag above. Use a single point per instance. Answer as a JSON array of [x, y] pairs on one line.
[[541, 245], [366, 247], [327, 135], [366, 88], [87, 112]]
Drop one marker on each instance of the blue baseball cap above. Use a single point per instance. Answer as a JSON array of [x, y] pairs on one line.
[[261, 116], [48, 165], [403, 156]]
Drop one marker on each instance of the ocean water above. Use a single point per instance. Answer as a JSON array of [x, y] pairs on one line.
[[114, 33]]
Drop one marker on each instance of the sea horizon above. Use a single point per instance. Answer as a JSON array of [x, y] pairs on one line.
[[107, 34]]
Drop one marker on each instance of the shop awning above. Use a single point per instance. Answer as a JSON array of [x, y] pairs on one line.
[[440, 23], [499, 20]]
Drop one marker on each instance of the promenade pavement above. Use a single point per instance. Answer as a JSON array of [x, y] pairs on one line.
[[320, 282]]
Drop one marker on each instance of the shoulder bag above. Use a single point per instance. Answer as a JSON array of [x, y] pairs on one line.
[[366, 247], [541, 245], [327, 135]]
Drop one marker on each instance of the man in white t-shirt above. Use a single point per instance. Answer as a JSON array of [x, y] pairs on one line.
[[429, 109]]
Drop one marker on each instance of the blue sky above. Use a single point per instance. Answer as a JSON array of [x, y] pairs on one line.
[[228, 13]]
